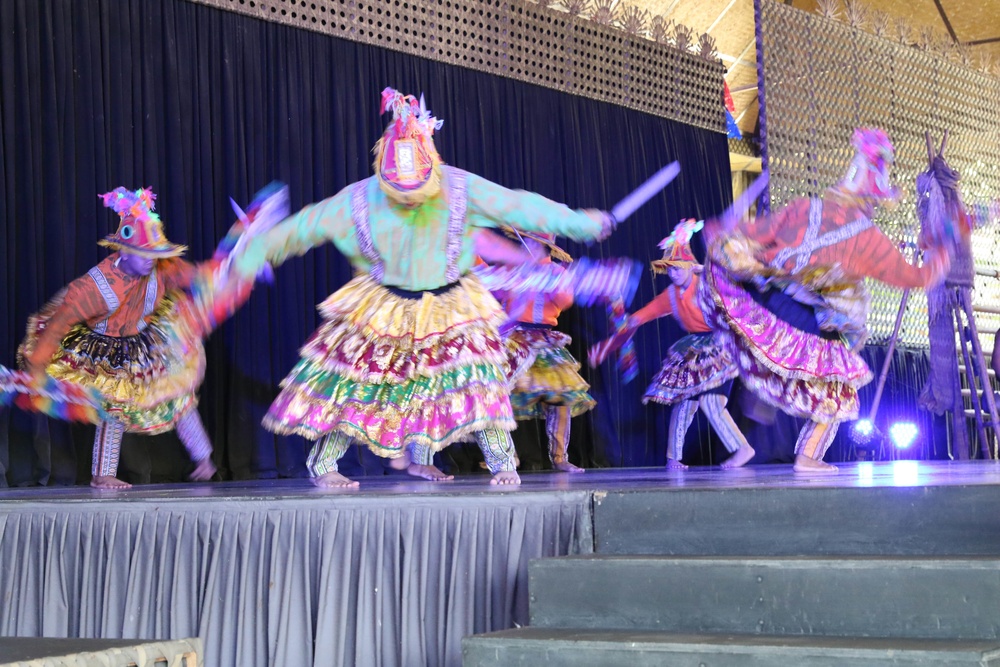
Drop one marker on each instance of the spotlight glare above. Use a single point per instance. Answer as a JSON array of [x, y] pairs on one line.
[[863, 432], [903, 434]]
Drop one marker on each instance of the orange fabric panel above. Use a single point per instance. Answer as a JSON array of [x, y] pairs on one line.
[[688, 313], [84, 302], [537, 309], [869, 253]]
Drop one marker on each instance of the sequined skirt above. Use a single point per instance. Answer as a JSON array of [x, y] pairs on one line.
[[696, 364], [806, 375], [147, 380], [552, 379], [389, 370]]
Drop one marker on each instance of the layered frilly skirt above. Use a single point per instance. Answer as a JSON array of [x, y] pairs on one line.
[[391, 369], [805, 375], [146, 381], [695, 365], [553, 377]]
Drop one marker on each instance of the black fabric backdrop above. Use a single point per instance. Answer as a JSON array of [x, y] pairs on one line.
[[202, 104]]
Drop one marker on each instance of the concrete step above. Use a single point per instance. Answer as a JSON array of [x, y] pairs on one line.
[[554, 647], [817, 520], [919, 598]]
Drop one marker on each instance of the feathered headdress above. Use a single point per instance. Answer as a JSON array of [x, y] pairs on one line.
[[677, 247], [140, 230], [868, 175]]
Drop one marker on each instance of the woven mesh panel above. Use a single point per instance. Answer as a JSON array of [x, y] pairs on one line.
[[823, 79], [523, 41]]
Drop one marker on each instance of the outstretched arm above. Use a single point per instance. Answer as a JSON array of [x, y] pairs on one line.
[[495, 249], [491, 205], [655, 309], [874, 255], [316, 224], [178, 273]]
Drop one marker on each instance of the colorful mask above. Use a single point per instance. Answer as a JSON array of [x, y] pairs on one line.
[[868, 174], [140, 230], [407, 164]]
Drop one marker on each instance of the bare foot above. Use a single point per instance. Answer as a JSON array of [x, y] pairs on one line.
[[428, 472], [566, 466], [805, 464], [402, 463], [333, 480], [739, 458], [204, 471], [108, 482], [674, 464], [517, 463], [506, 478]]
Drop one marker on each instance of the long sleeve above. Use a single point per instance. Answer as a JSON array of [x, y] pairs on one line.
[[490, 205], [177, 273], [81, 303], [326, 221], [655, 309]]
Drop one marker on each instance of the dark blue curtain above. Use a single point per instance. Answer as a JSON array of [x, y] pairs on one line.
[[203, 105]]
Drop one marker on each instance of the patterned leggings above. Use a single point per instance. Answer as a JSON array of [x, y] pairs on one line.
[[815, 438], [714, 407], [557, 423], [496, 445], [108, 442]]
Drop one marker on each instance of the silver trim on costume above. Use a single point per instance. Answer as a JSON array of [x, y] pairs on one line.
[[108, 294], [458, 200], [813, 241], [363, 230], [149, 304]]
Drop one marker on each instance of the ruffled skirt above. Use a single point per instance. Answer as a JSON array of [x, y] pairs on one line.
[[553, 379], [694, 365], [147, 380], [803, 374], [390, 370]]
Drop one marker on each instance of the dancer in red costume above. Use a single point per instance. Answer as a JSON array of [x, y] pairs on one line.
[[698, 370], [551, 387], [131, 332], [789, 289]]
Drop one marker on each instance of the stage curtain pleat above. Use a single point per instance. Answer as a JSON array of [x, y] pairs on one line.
[[339, 581]]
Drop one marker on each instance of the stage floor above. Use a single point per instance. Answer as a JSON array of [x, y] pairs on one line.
[[280, 572], [902, 473]]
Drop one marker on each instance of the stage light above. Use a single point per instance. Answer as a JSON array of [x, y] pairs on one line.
[[903, 434], [863, 431]]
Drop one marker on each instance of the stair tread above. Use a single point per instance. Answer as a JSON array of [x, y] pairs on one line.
[[849, 644], [839, 562], [912, 597]]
